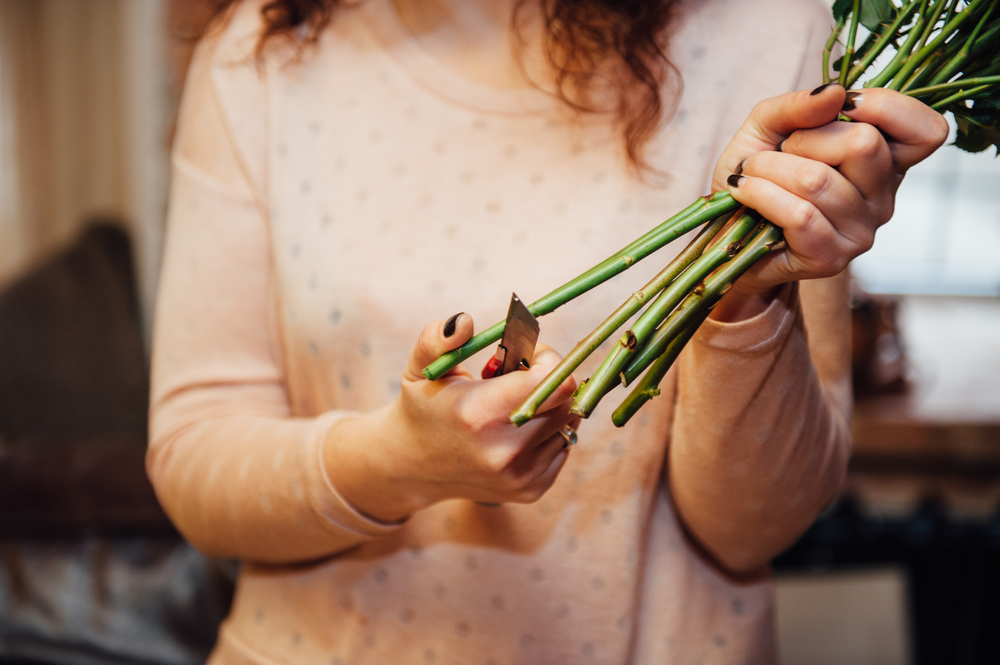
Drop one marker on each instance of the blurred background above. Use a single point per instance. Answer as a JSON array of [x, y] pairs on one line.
[[903, 568]]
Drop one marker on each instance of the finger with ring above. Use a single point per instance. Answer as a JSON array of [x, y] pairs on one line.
[[569, 435]]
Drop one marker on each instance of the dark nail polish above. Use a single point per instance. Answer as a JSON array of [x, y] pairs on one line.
[[852, 100], [739, 168], [820, 89], [735, 180], [781, 146], [449, 325]]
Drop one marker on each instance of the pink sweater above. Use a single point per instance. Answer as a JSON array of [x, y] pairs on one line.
[[323, 211]]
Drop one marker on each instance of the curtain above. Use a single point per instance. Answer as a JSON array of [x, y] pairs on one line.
[[86, 99]]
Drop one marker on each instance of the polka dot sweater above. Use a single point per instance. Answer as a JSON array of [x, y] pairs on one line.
[[324, 208]]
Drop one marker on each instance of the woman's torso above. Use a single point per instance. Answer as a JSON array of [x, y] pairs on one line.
[[398, 194]]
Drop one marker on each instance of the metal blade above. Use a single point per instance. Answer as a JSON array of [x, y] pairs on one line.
[[520, 334]]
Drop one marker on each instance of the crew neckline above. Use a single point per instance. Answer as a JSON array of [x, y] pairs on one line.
[[381, 17]]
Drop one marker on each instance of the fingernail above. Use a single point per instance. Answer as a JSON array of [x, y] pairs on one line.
[[852, 100], [735, 180], [820, 89], [781, 146], [449, 325], [739, 168]]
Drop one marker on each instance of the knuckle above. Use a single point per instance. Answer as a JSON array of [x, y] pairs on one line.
[[867, 241], [837, 260], [508, 482], [886, 211], [532, 495], [473, 419], [865, 141], [495, 464], [814, 179], [804, 216], [841, 263]]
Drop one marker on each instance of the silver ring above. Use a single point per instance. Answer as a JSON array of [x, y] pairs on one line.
[[569, 435]]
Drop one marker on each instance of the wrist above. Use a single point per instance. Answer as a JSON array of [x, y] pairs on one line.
[[362, 462]]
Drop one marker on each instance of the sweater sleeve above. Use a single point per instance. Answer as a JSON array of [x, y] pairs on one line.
[[237, 474], [760, 440]]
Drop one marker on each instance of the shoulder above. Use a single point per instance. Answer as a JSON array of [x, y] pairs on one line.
[[224, 100], [756, 24], [760, 47]]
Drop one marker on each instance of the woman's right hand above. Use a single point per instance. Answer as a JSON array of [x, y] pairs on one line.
[[451, 438]]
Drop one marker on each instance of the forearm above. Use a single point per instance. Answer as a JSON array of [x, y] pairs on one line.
[[760, 444], [250, 485]]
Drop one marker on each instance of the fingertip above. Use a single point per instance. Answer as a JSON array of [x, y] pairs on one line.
[[456, 330], [820, 105], [832, 85], [776, 118]]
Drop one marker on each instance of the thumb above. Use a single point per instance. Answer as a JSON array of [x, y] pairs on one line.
[[773, 120], [435, 340]]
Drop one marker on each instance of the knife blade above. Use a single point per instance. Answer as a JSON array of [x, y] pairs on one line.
[[517, 346]]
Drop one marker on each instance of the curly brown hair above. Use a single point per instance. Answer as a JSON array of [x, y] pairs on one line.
[[582, 37]]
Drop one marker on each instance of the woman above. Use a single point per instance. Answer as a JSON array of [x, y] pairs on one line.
[[328, 199]]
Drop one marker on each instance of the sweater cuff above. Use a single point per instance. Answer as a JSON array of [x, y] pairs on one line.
[[324, 498], [760, 334]]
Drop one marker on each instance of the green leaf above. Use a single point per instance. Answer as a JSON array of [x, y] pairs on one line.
[[841, 9], [984, 112], [873, 12], [876, 12], [972, 137]]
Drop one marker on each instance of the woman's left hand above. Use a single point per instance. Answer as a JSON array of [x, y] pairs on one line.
[[829, 185]]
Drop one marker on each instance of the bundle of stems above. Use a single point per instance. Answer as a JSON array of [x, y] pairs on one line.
[[946, 54]]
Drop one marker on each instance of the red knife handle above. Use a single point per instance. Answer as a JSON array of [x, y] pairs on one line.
[[492, 367]]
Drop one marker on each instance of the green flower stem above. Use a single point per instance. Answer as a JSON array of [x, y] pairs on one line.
[[940, 68], [903, 77], [902, 53], [526, 410], [946, 54], [769, 239], [943, 34], [607, 374], [692, 217], [649, 386], [887, 37], [958, 52], [961, 83], [828, 49], [845, 64], [960, 96]]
